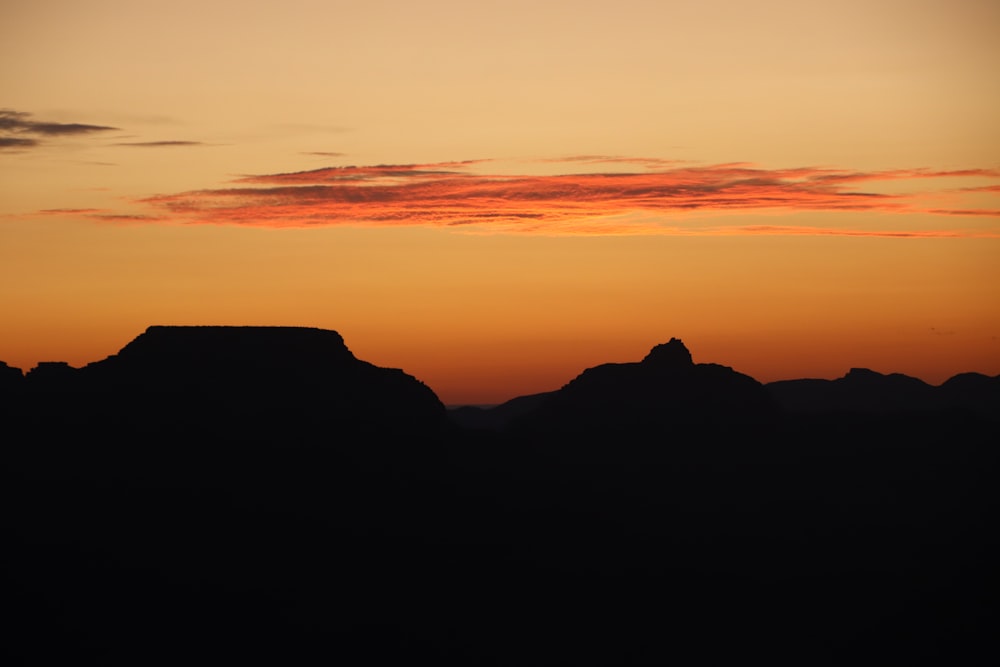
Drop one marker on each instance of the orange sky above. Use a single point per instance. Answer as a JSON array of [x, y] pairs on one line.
[[494, 196]]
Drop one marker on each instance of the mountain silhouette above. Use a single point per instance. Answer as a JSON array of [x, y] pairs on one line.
[[221, 494], [667, 390], [244, 382], [246, 365], [496, 417], [661, 394], [865, 391]]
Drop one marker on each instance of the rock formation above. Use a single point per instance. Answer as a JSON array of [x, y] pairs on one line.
[[662, 394], [239, 383]]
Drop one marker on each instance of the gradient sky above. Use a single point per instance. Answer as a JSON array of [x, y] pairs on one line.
[[494, 196]]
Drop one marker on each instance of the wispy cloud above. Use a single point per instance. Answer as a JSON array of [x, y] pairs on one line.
[[324, 153], [663, 193], [18, 129], [647, 162], [986, 212], [69, 211], [18, 142], [97, 214], [788, 230], [159, 144], [124, 217], [983, 188]]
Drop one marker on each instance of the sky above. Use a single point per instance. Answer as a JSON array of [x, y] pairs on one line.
[[494, 196]]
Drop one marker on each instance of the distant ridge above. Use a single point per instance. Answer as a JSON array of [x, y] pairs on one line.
[[667, 389], [865, 391], [664, 391], [498, 416], [305, 368]]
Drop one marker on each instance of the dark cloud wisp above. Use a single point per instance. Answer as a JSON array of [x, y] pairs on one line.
[[19, 130], [15, 124], [17, 142], [158, 144], [324, 153]]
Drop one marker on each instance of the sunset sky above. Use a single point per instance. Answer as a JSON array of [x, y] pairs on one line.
[[494, 196]]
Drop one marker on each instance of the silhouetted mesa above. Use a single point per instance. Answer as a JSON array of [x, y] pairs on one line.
[[256, 382]]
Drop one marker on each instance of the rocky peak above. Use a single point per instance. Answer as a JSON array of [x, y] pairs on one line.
[[670, 354]]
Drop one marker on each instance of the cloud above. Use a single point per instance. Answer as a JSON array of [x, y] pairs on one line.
[[986, 212], [780, 230], [159, 144], [452, 194], [650, 163], [123, 217], [97, 214], [15, 125], [20, 121], [324, 153], [982, 188], [17, 142], [69, 211]]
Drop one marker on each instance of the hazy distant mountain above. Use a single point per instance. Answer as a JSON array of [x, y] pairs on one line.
[[496, 417], [869, 392], [974, 391]]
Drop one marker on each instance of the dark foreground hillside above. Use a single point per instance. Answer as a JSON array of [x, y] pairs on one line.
[[216, 494]]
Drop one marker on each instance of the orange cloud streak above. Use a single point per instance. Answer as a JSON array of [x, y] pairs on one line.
[[449, 194]]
